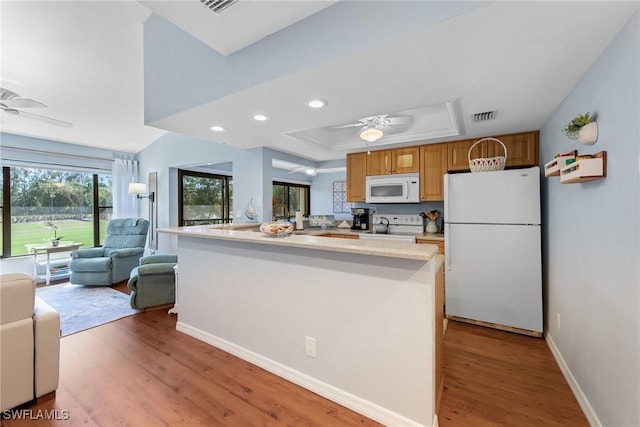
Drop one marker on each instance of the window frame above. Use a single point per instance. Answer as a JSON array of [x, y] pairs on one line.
[[5, 206], [288, 185], [227, 210]]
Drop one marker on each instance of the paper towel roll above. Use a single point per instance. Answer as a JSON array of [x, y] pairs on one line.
[[299, 223]]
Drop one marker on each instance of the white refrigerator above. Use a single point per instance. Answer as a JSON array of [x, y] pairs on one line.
[[493, 262]]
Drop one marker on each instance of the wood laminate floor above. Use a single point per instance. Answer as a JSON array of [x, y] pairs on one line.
[[497, 378], [139, 371]]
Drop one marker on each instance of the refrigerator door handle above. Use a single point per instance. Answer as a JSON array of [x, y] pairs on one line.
[[447, 248]]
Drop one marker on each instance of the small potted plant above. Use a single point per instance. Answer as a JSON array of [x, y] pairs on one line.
[[582, 128], [55, 240]]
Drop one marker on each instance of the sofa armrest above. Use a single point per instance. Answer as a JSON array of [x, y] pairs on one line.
[[46, 330], [88, 253], [155, 259], [126, 252]]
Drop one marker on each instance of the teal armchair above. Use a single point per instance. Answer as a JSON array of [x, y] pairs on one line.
[[113, 261], [153, 282]]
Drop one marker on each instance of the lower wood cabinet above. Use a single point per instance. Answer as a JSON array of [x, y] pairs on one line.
[[341, 236]]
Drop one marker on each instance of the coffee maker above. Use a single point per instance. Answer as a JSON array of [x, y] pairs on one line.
[[360, 218]]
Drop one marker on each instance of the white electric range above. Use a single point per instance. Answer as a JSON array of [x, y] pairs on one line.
[[402, 227]]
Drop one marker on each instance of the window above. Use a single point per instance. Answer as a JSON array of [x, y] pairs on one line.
[[289, 198], [78, 203], [204, 198], [340, 204]]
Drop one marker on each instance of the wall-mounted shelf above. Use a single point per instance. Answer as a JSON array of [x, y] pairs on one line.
[[552, 168], [584, 169]]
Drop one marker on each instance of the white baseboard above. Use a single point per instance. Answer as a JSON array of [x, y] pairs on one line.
[[592, 418], [355, 403]]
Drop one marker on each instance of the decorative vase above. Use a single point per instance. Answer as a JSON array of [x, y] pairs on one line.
[[431, 227], [588, 134], [55, 242]]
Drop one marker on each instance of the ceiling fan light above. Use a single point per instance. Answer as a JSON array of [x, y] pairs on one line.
[[370, 134], [317, 103]]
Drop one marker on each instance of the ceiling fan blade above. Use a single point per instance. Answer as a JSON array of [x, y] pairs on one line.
[[38, 117], [23, 103], [400, 120], [350, 125]]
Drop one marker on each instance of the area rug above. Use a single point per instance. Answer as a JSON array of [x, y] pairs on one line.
[[85, 307]]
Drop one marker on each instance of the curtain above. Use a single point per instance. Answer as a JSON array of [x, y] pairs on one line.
[[124, 204]]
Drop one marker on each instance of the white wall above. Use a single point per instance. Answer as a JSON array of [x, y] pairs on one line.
[[591, 234]]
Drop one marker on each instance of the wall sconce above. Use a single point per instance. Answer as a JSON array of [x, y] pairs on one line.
[[139, 190]]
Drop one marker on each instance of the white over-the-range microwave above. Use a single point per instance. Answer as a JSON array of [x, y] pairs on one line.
[[400, 188]]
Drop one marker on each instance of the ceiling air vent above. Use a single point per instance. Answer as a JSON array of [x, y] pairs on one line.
[[218, 5], [485, 116]]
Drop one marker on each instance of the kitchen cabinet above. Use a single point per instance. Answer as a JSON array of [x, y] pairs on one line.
[[522, 151], [438, 243], [356, 177], [458, 151], [398, 160], [433, 166], [340, 235]]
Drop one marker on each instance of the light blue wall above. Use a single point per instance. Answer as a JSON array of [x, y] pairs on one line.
[[251, 170], [591, 234]]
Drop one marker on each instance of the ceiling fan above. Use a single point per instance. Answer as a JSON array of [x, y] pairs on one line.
[[11, 101], [311, 171], [373, 127]]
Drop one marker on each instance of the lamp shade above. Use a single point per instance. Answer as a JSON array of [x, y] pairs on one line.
[[137, 188], [370, 134]]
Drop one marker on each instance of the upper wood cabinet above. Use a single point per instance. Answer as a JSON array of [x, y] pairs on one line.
[[399, 160], [458, 154], [522, 150], [356, 177], [433, 166]]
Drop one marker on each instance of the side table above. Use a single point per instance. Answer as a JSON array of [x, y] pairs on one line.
[[47, 249]]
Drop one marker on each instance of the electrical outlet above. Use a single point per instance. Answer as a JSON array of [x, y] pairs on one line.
[[558, 320], [310, 347]]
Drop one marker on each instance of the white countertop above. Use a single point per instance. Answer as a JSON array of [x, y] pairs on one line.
[[243, 233]]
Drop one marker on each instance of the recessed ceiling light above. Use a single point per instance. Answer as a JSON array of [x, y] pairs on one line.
[[217, 128], [260, 117], [317, 103]]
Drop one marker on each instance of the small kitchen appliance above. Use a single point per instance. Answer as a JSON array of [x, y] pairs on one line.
[[493, 260], [398, 188], [360, 218], [400, 227]]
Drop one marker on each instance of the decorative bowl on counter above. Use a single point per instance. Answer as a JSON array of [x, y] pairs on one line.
[[276, 229]]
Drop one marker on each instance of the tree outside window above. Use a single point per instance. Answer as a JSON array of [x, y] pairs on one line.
[[204, 198], [289, 198], [64, 198]]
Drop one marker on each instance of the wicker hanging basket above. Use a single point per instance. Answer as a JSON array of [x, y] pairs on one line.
[[487, 164]]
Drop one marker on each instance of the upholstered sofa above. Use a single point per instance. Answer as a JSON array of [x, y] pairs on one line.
[[113, 261], [153, 282], [29, 342]]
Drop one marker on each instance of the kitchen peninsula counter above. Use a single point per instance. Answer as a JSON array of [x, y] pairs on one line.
[[355, 321], [312, 240]]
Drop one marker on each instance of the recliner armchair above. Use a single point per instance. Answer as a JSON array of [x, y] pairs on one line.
[[29, 343], [153, 282], [113, 261]]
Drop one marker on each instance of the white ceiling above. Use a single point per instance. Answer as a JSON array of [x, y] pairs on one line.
[[84, 60]]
